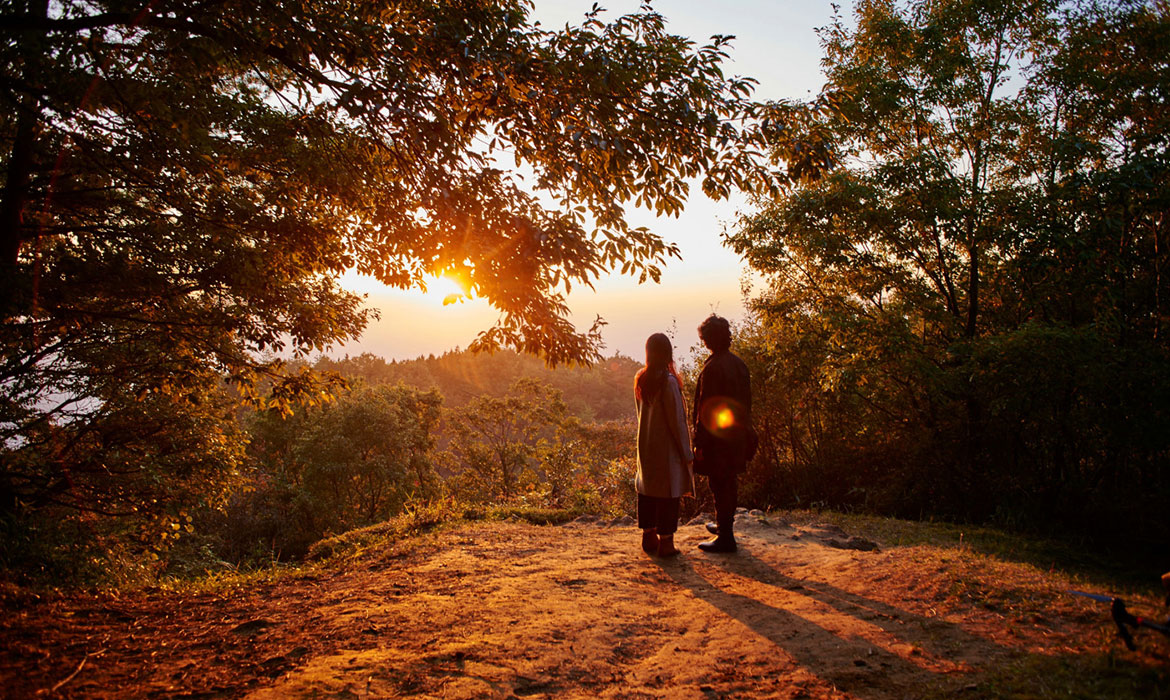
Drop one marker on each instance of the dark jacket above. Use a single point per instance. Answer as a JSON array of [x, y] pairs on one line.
[[721, 416]]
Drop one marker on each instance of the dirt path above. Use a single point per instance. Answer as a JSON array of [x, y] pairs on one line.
[[506, 610]]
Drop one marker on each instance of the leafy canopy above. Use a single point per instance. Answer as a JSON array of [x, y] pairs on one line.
[[227, 160]]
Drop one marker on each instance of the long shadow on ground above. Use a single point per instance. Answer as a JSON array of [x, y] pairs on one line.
[[862, 646]]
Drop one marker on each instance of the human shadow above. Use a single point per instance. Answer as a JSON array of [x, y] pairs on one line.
[[851, 662], [917, 629]]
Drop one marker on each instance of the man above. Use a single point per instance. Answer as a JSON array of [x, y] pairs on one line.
[[724, 440]]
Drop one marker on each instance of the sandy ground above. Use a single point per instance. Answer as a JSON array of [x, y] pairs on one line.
[[509, 610]]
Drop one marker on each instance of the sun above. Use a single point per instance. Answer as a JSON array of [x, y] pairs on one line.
[[446, 288]]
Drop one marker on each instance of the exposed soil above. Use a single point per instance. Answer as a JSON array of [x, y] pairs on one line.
[[509, 610]]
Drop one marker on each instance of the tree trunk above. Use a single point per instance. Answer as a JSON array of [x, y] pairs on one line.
[[973, 246], [20, 167], [973, 407]]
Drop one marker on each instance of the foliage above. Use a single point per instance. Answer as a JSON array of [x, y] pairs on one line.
[[964, 316], [382, 450], [119, 495], [588, 467], [581, 460], [367, 454], [496, 443], [524, 447], [349, 464]]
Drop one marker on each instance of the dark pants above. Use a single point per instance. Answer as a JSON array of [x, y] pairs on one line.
[[723, 488], [660, 513]]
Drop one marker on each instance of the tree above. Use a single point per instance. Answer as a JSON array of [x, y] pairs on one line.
[[951, 301], [350, 463], [577, 465], [183, 182], [900, 239], [125, 489], [368, 454], [598, 391], [495, 441]]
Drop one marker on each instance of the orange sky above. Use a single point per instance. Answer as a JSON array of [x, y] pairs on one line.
[[776, 44]]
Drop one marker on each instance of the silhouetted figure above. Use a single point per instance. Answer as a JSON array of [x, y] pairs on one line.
[[723, 436], [664, 447]]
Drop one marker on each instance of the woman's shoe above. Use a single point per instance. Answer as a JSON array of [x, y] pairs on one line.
[[650, 540], [666, 547]]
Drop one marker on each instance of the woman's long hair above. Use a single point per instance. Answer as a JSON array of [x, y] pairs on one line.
[[659, 363]]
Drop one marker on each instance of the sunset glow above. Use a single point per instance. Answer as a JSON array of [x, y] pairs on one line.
[[445, 289], [775, 44]]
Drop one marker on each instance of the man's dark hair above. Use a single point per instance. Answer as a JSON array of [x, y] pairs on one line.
[[715, 332]]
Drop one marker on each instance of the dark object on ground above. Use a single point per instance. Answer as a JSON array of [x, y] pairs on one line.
[[713, 528], [854, 542], [1124, 620], [251, 627]]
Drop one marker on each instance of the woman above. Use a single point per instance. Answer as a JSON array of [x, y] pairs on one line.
[[664, 447]]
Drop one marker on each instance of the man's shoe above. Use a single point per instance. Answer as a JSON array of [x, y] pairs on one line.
[[719, 545], [713, 528]]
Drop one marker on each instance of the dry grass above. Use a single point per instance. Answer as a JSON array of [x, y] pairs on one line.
[[1014, 589]]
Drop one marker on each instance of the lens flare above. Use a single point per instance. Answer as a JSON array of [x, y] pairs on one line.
[[723, 417]]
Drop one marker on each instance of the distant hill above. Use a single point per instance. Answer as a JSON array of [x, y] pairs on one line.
[[601, 392]]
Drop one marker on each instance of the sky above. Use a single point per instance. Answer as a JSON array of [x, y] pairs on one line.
[[776, 43]]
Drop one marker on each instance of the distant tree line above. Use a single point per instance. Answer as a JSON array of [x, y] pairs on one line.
[[600, 392]]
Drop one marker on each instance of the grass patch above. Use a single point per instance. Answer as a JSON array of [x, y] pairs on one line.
[[1118, 573], [527, 514], [224, 580], [949, 569], [426, 518], [395, 537], [1039, 677]]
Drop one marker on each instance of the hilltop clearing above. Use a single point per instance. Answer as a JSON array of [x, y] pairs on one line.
[[512, 610]]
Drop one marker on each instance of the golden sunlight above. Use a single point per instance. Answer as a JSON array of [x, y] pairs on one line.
[[447, 288], [443, 289]]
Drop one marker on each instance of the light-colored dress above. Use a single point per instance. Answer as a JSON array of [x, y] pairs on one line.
[[664, 444]]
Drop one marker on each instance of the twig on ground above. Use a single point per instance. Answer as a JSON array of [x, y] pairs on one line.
[[76, 671]]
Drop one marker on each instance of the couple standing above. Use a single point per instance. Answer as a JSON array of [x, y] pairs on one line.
[[720, 426]]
